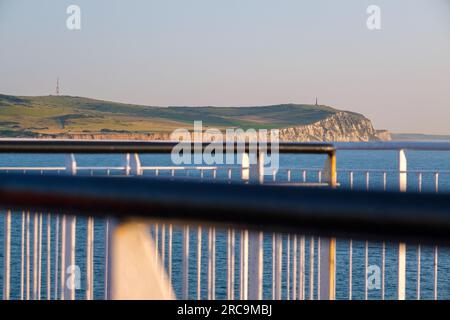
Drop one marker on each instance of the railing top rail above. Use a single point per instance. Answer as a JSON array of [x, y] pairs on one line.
[[394, 145], [123, 146], [137, 146], [321, 211]]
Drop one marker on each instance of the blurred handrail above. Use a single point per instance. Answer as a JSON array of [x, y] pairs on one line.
[[137, 146], [326, 212]]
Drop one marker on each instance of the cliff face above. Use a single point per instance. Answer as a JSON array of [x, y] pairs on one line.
[[341, 126]]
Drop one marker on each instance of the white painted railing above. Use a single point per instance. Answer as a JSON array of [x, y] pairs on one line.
[[303, 267]]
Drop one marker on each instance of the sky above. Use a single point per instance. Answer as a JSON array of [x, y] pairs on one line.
[[237, 53]]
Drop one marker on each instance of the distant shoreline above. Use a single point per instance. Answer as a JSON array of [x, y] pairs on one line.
[[419, 137]]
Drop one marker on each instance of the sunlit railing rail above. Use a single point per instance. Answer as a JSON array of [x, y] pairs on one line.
[[217, 256]]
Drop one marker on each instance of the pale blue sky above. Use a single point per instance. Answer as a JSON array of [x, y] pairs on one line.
[[238, 52]]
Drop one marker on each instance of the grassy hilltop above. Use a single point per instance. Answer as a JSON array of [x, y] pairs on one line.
[[33, 116]]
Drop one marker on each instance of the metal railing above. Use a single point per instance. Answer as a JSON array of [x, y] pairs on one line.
[[272, 241]]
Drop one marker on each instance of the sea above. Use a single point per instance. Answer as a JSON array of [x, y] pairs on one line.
[[381, 166]]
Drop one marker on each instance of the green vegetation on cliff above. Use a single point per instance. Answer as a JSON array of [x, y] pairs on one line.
[[32, 116]]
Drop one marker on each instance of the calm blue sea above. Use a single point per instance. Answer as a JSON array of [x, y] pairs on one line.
[[428, 162]]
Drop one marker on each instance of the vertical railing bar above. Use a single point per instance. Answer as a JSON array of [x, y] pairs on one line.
[[49, 251], [288, 262], [366, 267], [22, 259], [304, 176], [350, 270], [435, 286], [418, 270], [302, 269], [244, 270], [233, 257], [156, 236], [89, 259], [436, 182], [40, 257], [107, 259], [383, 269], [210, 264], [289, 175], [163, 244], [228, 263], [55, 275], [35, 256], [294, 268], [73, 232], [384, 181], [254, 240], [241, 266], [401, 265], [351, 180], [213, 293], [367, 180], [199, 262], [274, 257], [28, 255], [185, 262], [279, 264], [420, 182], [311, 269], [7, 256], [169, 258], [318, 266]]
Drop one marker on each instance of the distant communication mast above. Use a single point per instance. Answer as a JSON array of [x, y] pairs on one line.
[[57, 86]]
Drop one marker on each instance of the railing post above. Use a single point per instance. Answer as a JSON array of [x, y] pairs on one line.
[[132, 165], [35, 254], [7, 256], [49, 253], [68, 245], [330, 170], [402, 168], [253, 241], [28, 257], [185, 270], [327, 268], [109, 226], [22, 260], [245, 163], [278, 266], [244, 265], [135, 274], [39, 273], [90, 259], [327, 246]]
